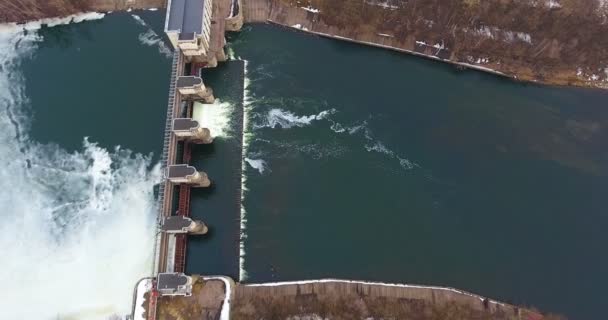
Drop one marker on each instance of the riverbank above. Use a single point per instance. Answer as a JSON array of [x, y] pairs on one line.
[[348, 299], [530, 43], [21, 11], [327, 298]]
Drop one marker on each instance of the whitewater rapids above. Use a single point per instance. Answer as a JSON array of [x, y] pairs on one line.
[[76, 229]]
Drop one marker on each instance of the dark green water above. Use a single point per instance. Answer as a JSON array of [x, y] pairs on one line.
[[423, 174], [220, 206], [109, 86], [380, 166]]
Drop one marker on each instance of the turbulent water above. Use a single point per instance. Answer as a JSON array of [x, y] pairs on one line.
[[358, 163], [77, 227]]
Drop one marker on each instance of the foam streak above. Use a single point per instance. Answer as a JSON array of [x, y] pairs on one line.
[[76, 228]]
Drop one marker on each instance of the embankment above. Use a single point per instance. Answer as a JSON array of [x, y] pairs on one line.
[[20, 11], [552, 42], [345, 299]]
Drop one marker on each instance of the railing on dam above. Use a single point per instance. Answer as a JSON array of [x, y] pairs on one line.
[[164, 160]]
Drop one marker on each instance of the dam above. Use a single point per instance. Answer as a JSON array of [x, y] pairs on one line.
[[196, 29], [503, 199]]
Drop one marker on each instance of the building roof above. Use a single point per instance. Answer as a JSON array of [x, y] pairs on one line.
[[185, 16], [184, 124], [188, 81], [173, 283], [176, 224], [180, 171]]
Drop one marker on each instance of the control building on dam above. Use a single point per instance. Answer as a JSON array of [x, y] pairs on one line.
[[196, 30]]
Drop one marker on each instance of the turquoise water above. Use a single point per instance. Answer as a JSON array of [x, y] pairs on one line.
[[362, 163]]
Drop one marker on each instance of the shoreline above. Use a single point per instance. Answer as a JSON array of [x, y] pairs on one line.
[[311, 22], [528, 71], [31, 11], [458, 65]]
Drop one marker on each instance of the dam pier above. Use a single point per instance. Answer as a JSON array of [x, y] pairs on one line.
[[196, 30]]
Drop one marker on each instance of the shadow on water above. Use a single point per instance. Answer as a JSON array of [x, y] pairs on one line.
[[220, 206]]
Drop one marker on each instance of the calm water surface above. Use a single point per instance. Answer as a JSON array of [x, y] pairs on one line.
[[386, 167]]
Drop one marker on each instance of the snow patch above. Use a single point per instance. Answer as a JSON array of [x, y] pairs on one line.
[[386, 4], [225, 313], [299, 26], [311, 9], [143, 286], [602, 9], [553, 4], [286, 283], [503, 35], [51, 22]]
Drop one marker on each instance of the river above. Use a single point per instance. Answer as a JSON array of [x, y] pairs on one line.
[[361, 163]]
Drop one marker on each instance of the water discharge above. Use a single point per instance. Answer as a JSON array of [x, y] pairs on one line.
[[216, 117], [247, 106], [76, 228]]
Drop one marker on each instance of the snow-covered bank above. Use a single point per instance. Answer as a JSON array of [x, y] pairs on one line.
[[384, 284], [51, 22], [225, 313]]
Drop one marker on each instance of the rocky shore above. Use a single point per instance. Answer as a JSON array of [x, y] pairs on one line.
[[557, 42], [21, 11]]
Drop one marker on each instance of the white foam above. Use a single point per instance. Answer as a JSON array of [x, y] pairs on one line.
[[230, 53], [151, 39], [377, 146], [286, 119], [247, 135], [139, 20], [258, 164], [77, 227], [372, 145], [51, 22], [215, 117]]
